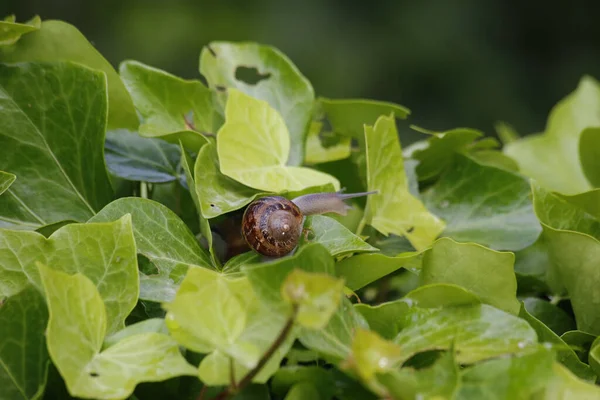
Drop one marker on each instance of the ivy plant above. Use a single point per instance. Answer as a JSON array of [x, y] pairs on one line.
[[471, 272]]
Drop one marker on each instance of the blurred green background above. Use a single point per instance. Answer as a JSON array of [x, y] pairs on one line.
[[453, 63]]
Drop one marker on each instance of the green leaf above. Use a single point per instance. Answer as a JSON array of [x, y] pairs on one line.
[[371, 355], [594, 356], [303, 390], [75, 333], [335, 237], [317, 295], [254, 126], [506, 132], [478, 332], [335, 339], [552, 158], [267, 278], [6, 180], [288, 376], [565, 385], [59, 41], [218, 194], [394, 209], [485, 205], [441, 149], [349, 116], [280, 84], [360, 270], [23, 356], [46, 111], [161, 237], [589, 153], [152, 325], [11, 31], [164, 114], [316, 152], [130, 156], [385, 318], [103, 252], [565, 354], [487, 273], [549, 314], [579, 341], [508, 378]]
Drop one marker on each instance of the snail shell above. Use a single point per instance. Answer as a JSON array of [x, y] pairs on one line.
[[272, 225]]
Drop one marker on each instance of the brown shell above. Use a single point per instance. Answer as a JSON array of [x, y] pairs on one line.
[[272, 226]]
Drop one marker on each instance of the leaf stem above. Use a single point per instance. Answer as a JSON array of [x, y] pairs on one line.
[[143, 190], [247, 379]]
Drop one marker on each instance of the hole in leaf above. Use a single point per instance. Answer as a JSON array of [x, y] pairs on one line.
[[251, 76], [94, 374], [410, 230], [212, 205], [146, 266], [220, 88], [212, 51]]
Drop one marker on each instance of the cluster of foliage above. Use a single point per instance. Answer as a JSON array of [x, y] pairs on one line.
[[471, 274]]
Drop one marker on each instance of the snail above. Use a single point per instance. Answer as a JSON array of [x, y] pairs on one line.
[[272, 225]]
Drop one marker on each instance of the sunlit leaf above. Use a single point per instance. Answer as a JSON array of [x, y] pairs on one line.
[[161, 237], [335, 237], [23, 355], [485, 205], [254, 126], [11, 31], [565, 385], [394, 209], [316, 152], [552, 158], [103, 252], [276, 80], [41, 129], [171, 108], [487, 273], [360, 270], [59, 41], [372, 354]]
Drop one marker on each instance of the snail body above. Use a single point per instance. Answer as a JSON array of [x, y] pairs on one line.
[[272, 225]]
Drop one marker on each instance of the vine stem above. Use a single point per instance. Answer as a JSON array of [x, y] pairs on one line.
[[247, 379]]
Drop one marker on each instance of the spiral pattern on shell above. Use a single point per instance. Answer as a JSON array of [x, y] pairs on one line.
[[272, 226]]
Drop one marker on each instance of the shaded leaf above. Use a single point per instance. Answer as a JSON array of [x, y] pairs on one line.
[[54, 182], [103, 252], [552, 316], [487, 273], [164, 114], [59, 41], [254, 126], [161, 237], [589, 153], [360, 270], [478, 332], [552, 158], [288, 376], [23, 355], [485, 205], [317, 152], [280, 84], [6, 180], [394, 209]]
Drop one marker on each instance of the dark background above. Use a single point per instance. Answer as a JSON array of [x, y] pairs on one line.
[[453, 63]]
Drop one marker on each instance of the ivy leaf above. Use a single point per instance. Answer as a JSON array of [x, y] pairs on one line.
[[478, 332], [485, 205], [75, 333], [565, 354], [57, 41], [565, 385], [42, 123], [589, 153], [335, 340], [317, 153], [290, 375], [23, 353], [508, 378], [487, 273], [130, 156], [552, 158], [164, 114], [335, 237], [218, 194], [349, 116], [103, 252], [360, 270], [11, 31], [371, 355], [550, 315], [594, 356], [6, 180], [161, 237], [440, 150], [394, 209], [151, 325], [279, 83], [267, 278], [317, 296], [254, 126]]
